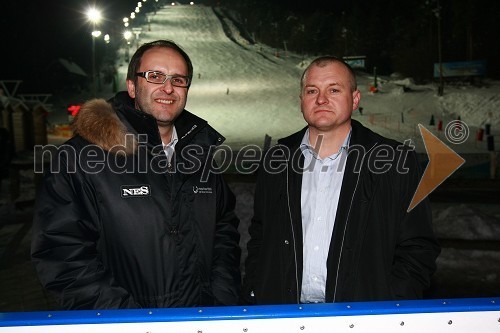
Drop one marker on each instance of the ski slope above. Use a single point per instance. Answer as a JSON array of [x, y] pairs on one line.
[[247, 90], [240, 91]]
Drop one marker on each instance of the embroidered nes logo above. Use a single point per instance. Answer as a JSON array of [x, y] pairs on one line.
[[128, 191]]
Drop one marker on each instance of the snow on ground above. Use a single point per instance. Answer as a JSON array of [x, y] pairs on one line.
[[465, 221], [246, 91]]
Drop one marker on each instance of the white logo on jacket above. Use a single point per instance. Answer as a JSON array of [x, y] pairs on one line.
[[135, 191], [201, 190]]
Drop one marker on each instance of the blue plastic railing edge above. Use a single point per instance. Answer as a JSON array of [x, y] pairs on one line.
[[8, 319]]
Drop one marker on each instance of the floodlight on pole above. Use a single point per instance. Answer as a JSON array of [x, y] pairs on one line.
[[94, 16], [127, 35], [137, 32], [148, 17]]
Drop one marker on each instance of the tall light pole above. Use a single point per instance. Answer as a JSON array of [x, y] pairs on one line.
[[95, 34], [127, 35], [137, 32], [94, 16], [440, 52]]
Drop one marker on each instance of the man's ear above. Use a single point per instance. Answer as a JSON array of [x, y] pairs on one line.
[[300, 98], [131, 88], [356, 98]]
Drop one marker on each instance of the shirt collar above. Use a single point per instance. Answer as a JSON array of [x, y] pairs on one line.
[[169, 148], [306, 147], [173, 139]]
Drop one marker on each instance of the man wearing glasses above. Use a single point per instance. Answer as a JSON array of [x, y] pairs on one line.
[[130, 214]]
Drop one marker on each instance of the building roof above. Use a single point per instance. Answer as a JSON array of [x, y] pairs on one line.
[[72, 67]]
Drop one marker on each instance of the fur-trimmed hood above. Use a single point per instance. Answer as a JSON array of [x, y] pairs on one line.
[[114, 126], [98, 123]]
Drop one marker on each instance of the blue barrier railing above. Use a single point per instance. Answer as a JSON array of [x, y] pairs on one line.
[[457, 315]]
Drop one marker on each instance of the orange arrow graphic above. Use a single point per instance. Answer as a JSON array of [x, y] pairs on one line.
[[443, 161]]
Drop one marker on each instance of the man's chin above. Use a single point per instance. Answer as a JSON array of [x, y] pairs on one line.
[[166, 117], [164, 123]]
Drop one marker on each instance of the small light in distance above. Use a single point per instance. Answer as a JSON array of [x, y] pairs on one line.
[[127, 34]]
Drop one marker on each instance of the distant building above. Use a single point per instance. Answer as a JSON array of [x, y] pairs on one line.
[[64, 74], [356, 62]]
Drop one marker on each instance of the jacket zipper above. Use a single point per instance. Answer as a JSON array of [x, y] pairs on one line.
[[345, 228], [293, 236]]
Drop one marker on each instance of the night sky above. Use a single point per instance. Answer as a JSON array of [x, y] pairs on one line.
[[36, 33]]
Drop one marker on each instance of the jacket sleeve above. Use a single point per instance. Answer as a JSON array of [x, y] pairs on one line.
[[417, 248], [226, 278], [65, 240]]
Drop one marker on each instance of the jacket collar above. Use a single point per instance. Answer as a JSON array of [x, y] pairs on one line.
[[293, 141], [360, 135], [186, 124], [363, 136]]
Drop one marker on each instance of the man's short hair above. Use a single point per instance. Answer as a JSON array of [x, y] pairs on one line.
[[135, 62], [325, 60]]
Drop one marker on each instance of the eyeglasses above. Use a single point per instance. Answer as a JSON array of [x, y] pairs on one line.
[[160, 78]]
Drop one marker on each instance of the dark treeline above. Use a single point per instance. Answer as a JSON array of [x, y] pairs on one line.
[[394, 35]]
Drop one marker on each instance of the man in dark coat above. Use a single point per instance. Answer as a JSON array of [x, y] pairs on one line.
[[130, 214], [330, 217]]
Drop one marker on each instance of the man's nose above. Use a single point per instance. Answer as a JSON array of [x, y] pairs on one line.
[[321, 98], [167, 86]]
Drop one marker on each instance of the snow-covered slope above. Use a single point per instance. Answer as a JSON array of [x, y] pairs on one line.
[[249, 90]]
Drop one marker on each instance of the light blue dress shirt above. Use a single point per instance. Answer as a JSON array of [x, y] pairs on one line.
[[321, 184]]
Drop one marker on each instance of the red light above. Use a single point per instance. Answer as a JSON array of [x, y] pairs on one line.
[[74, 109]]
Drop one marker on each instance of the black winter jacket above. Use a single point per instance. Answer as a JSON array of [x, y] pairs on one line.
[[117, 226], [378, 251]]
